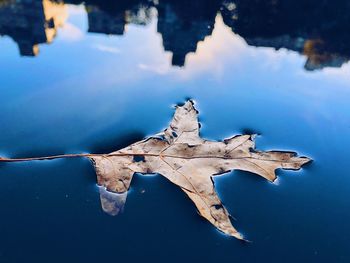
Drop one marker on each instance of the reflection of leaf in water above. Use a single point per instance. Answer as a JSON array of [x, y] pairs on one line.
[[112, 203], [187, 160]]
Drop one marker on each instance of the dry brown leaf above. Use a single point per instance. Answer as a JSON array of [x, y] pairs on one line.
[[187, 160]]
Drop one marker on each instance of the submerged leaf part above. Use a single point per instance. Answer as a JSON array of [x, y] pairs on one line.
[[112, 203], [187, 160]]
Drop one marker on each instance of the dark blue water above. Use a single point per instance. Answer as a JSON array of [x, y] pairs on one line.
[[90, 92]]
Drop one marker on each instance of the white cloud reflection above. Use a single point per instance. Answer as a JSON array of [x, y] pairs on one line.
[[212, 53], [216, 53], [74, 29], [108, 49], [71, 33]]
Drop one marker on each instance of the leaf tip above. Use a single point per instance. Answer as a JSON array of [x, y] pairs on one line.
[[239, 236], [305, 160]]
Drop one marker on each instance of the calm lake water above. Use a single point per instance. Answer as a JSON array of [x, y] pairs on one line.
[[96, 77]]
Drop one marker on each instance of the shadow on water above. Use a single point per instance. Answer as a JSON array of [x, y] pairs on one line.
[[321, 35], [110, 144]]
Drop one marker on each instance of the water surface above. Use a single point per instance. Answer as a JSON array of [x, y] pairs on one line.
[[111, 75]]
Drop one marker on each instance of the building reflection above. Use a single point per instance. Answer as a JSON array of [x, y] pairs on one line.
[[102, 21], [183, 24], [30, 23], [317, 30]]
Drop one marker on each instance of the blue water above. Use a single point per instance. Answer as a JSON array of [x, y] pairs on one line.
[[89, 92]]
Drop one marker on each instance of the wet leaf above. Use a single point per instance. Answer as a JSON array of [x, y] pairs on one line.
[[184, 158], [190, 162]]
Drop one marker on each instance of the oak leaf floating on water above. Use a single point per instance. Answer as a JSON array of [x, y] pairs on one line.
[[183, 157]]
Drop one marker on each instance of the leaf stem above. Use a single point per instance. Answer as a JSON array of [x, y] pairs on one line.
[[77, 155], [47, 157]]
